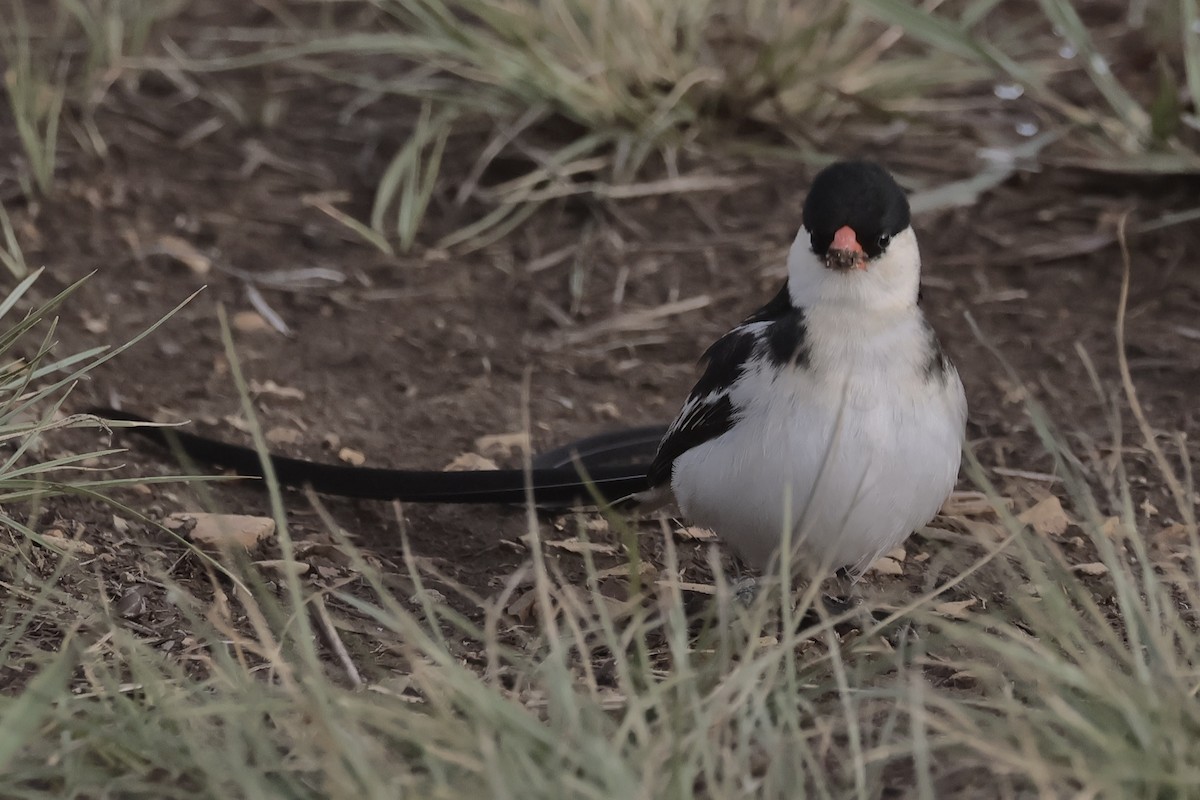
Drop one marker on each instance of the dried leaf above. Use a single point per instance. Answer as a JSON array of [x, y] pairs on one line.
[[696, 534], [1177, 531], [502, 443], [685, 586], [318, 551], [281, 435], [1013, 393], [886, 566], [966, 504], [579, 546], [1046, 517], [222, 530], [283, 566], [96, 325], [622, 570], [956, 609], [985, 531], [469, 462], [275, 390], [250, 322], [59, 539], [523, 608], [596, 524], [428, 594], [185, 253], [607, 410]]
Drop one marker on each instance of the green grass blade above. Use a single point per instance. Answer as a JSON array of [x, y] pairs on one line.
[[1066, 19], [21, 718]]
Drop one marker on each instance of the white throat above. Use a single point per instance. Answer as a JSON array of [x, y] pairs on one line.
[[889, 282]]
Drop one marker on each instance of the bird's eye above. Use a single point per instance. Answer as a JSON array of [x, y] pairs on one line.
[[884, 241]]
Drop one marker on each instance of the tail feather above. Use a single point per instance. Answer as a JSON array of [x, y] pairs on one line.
[[559, 485]]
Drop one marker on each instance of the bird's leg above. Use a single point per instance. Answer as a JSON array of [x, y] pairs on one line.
[[745, 590], [838, 598], [840, 595]]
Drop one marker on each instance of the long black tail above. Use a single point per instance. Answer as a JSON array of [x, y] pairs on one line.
[[555, 479]]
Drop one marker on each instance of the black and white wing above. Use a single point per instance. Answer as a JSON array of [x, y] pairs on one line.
[[709, 411]]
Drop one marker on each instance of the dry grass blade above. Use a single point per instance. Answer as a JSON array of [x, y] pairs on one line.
[[1184, 497], [630, 321], [324, 203]]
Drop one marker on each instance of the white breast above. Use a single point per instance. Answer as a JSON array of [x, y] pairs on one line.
[[851, 453]]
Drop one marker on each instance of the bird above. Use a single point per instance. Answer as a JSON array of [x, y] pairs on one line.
[[831, 418]]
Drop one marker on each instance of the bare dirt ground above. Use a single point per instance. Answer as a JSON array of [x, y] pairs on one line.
[[413, 358]]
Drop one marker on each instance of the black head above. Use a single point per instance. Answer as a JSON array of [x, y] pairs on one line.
[[860, 195]]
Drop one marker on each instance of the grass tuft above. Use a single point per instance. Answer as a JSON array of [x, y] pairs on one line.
[[45, 78], [35, 90], [576, 97], [1066, 682], [1119, 128]]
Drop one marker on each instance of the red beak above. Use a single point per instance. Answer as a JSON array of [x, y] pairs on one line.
[[845, 253]]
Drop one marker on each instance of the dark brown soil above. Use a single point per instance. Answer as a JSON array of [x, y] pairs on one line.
[[413, 358]]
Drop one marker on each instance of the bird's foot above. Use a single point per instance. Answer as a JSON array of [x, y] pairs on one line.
[[746, 590], [837, 605]]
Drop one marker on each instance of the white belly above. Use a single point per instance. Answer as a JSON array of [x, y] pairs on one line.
[[851, 467]]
